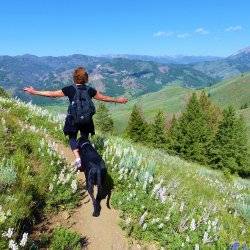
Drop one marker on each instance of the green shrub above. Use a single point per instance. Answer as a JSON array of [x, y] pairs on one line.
[[64, 239]]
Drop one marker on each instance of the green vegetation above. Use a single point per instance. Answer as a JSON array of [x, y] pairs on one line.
[[3, 93], [173, 203], [163, 199], [246, 114], [229, 148], [137, 128], [200, 134], [170, 99], [34, 178], [235, 92], [63, 238], [157, 132], [102, 119]]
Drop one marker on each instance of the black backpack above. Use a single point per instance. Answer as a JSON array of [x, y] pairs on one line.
[[82, 107]]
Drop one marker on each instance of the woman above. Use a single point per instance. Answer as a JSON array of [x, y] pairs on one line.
[[80, 78]]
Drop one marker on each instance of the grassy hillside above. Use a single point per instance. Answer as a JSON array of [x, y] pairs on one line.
[[235, 91], [32, 173], [170, 99], [172, 202]]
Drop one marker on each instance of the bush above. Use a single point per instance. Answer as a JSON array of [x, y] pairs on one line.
[[64, 239]]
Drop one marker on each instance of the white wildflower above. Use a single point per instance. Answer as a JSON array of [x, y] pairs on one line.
[[154, 221], [196, 247], [13, 245], [128, 221], [24, 240], [205, 238], [187, 239], [141, 221], [9, 233], [55, 176], [74, 186], [8, 213], [144, 227], [51, 186], [161, 226], [167, 218], [182, 206], [192, 225]]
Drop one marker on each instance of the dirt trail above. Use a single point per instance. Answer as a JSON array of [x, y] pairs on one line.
[[101, 232]]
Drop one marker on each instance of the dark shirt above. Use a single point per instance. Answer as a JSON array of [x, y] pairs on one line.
[[70, 130], [70, 91]]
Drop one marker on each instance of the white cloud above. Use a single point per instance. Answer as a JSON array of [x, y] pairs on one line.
[[163, 33], [183, 35], [201, 31], [234, 28]]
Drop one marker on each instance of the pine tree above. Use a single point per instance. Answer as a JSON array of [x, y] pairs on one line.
[[137, 128], [103, 120], [174, 133], [212, 113], [157, 136], [191, 135], [230, 144]]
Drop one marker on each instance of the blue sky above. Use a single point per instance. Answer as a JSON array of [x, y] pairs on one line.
[[152, 27]]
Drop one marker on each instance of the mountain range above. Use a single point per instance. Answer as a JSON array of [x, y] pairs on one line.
[[116, 75], [177, 59]]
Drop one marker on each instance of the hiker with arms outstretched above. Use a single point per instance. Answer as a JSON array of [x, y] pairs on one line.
[[81, 108]]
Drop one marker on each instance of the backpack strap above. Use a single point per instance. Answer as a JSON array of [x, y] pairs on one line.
[[78, 93]]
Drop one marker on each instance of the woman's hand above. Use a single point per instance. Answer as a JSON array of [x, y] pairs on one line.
[[30, 90], [121, 99]]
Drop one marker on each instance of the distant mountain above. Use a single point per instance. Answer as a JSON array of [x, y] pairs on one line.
[[133, 76], [178, 59], [227, 67], [114, 76]]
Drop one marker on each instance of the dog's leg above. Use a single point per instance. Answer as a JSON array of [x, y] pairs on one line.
[[96, 206]]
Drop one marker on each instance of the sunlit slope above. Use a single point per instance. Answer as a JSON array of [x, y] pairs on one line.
[[235, 91], [170, 99]]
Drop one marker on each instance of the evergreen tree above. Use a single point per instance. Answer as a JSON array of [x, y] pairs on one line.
[[137, 128], [230, 144], [191, 135], [174, 133], [212, 113], [103, 120], [157, 136]]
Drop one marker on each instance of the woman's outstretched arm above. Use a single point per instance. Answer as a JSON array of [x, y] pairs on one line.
[[55, 93], [105, 98]]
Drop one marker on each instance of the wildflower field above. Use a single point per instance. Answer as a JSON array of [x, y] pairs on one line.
[[162, 199]]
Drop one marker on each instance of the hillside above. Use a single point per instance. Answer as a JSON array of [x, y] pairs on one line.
[[163, 199], [235, 91], [171, 99]]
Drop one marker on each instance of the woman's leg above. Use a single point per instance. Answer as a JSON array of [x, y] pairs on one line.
[[73, 145]]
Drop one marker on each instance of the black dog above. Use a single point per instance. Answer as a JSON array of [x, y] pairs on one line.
[[95, 172]]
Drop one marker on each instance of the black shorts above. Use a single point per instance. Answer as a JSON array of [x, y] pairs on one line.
[[71, 128]]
